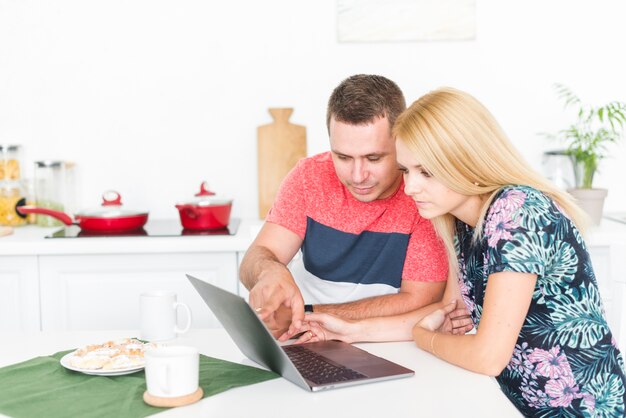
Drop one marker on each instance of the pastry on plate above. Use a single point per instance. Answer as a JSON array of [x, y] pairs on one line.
[[111, 355]]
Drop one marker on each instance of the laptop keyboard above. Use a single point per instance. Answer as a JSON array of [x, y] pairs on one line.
[[317, 368]]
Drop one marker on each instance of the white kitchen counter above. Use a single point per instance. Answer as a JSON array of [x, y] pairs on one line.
[[30, 240]]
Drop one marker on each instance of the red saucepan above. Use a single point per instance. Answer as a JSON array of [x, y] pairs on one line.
[[111, 217], [205, 212]]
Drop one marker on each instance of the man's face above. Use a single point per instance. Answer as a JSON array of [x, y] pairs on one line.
[[365, 158]]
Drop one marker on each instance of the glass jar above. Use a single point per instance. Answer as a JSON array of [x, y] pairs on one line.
[[11, 191], [54, 189], [10, 162], [557, 167], [11, 196], [28, 185]]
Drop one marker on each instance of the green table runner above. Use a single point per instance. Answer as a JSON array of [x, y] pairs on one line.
[[41, 387]]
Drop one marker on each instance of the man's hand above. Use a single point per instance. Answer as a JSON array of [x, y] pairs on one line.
[[264, 272], [278, 322], [273, 298]]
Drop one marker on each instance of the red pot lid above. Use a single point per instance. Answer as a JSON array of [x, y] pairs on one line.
[[111, 208], [206, 197]]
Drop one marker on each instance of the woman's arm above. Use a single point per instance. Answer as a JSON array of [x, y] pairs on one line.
[[326, 327], [388, 328], [400, 327], [507, 299]]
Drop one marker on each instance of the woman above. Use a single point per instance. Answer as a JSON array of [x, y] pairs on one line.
[[523, 269]]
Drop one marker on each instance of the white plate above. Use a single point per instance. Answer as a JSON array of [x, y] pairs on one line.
[[65, 362]]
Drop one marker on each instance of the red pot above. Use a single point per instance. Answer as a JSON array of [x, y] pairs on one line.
[[205, 212], [109, 218]]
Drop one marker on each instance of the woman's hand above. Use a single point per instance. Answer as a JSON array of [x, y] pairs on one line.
[[323, 327], [447, 319]]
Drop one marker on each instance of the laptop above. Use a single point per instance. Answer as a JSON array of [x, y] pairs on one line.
[[312, 366]]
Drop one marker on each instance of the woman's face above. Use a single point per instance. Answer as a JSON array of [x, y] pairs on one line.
[[430, 195]]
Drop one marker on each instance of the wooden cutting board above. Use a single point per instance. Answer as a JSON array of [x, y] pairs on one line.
[[5, 230], [280, 145]]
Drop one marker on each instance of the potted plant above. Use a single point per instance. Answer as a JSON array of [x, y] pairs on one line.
[[587, 139]]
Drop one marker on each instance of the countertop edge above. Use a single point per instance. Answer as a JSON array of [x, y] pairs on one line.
[[30, 241]]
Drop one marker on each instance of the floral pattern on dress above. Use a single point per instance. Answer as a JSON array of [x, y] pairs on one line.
[[566, 362]]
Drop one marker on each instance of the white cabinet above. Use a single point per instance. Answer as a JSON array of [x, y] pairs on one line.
[[241, 289], [610, 269], [95, 283], [19, 293], [97, 292], [607, 247]]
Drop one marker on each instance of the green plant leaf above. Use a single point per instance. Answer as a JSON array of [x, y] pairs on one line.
[[593, 129], [601, 114]]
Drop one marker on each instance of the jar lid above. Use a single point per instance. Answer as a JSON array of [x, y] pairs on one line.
[[49, 163], [9, 148], [557, 152]]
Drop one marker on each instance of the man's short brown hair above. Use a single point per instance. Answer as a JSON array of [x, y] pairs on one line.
[[361, 98]]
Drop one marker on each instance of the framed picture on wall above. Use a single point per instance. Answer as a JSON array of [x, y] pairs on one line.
[[405, 20]]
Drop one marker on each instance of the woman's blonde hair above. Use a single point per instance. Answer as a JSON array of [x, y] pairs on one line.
[[462, 145]]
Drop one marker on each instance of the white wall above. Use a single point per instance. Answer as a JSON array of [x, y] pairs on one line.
[[150, 97]]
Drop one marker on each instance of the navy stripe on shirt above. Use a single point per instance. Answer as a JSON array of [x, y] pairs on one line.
[[367, 258]]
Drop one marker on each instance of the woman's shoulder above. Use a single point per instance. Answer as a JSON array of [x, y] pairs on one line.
[[524, 206], [516, 196]]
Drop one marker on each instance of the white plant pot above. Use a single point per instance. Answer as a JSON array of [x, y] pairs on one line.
[[591, 201]]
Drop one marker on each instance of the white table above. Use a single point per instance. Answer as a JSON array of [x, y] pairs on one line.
[[438, 389]]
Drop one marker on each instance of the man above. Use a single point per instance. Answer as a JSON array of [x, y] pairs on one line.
[[365, 249]]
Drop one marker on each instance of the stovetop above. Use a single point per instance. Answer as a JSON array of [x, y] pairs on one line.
[[154, 228]]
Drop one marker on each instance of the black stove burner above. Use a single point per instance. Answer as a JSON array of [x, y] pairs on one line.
[[156, 228], [141, 232]]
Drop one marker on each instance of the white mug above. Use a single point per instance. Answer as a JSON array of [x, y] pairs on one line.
[[172, 371], [158, 316]]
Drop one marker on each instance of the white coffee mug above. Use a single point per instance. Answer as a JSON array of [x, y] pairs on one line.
[[158, 316], [172, 371]]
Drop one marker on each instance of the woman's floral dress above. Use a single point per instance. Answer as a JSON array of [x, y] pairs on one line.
[[566, 362]]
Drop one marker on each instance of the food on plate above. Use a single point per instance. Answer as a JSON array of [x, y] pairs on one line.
[[123, 362], [111, 355]]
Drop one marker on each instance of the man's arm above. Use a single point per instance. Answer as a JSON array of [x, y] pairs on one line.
[[264, 272], [413, 295]]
